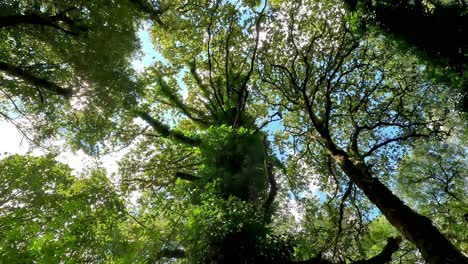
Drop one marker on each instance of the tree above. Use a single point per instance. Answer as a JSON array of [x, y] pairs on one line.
[[434, 30], [63, 56], [280, 95], [359, 110], [48, 215]]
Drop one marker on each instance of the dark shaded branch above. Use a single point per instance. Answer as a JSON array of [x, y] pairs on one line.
[[168, 253], [217, 92], [226, 60], [343, 199], [186, 176], [254, 53], [137, 221], [268, 205], [165, 131], [340, 220], [210, 106], [391, 140], [43, 20], [30, 78], [154, 14], [177, 102], [393, 244]]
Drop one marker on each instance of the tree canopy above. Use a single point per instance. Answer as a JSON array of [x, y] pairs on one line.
[[264, 132]]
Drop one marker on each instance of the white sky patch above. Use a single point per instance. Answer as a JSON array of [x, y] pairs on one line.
[[313, 187], [185, 93], [138, 65], [295, 210], [11, 141]]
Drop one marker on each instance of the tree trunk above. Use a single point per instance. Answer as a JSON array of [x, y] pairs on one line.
[[433, 245]]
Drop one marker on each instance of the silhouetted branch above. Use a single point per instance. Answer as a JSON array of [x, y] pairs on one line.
[[154, 14], [392, 246], [165, 131], [44, 20], [30, 78], [186, 176], [268, 205]]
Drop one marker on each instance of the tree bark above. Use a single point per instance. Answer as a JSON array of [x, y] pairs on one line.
[[433, 245], [18, 72], [165, 131], [44, 20]]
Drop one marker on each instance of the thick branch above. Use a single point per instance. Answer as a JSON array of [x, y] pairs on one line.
[[342, 205], [186, 176], [30, 78], [168, 253], [154, 14], [393, 244], [165, 131], [43, 20], [268, 205], [391, 140], [192, 113]]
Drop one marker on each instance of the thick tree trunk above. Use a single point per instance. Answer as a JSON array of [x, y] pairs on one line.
[[433, 245]]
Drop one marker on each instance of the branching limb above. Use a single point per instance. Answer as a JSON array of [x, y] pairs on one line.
[[154, 14], [44, 20], [165, 131], [343, 200], [391, 140], [392, 246], [192, 113], [268, 205], [30, 78], [168, 253], [186, 176]]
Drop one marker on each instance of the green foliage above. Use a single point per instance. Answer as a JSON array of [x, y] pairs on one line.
[[80, 50], [433, 178], [230, 230], [237, 158], [201, 181], [50, 216]]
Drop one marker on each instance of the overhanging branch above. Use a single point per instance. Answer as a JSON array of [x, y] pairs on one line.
[[154, 14], [54, 21], [168, 253], [392, 246], [186, 176], [165, 131], [30, 78], [268, 205]]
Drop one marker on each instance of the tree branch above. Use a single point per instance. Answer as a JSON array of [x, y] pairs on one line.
[[154, 14], [44, 20], [268, 205], [186, 176], [343, 199], [393, 244], [30, 78], [166, 132], [186, 110], [168, 253], [396, 139]]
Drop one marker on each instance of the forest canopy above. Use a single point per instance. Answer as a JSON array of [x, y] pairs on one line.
[[263, 132]]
